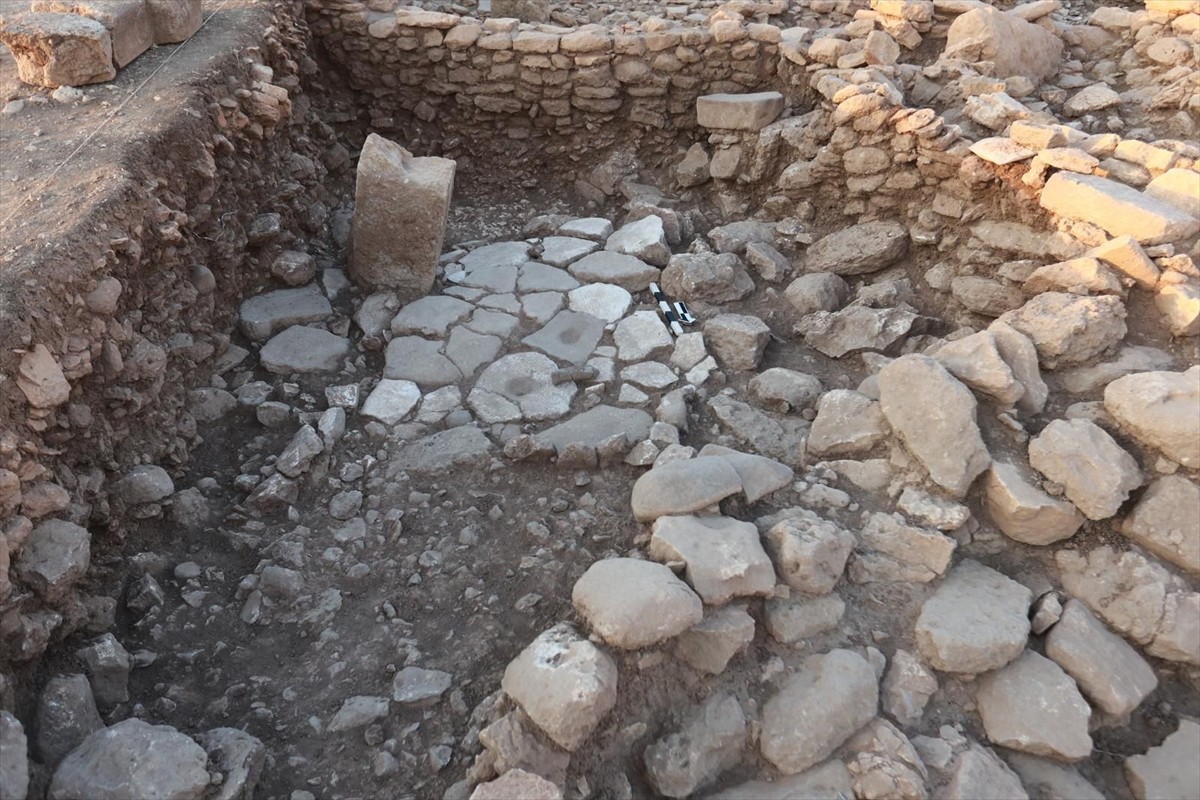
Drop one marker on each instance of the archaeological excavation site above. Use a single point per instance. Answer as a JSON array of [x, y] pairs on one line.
[[570, 400]]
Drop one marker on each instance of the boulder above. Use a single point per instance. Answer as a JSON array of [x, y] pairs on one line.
[[41, 379], [1020, 353], [632, 603], [723, 557], [1068, 329], [737, 340], [1095, 472], [783, 390], [817, 709], [1165, 521], [817, 291], [706, 278], [1126, 590], [622, 270], [400, 208], [53, 50], [513, 743], [66, 716], [1014, 46], [174, 20], [979, 773], [944, 437], [1033, 706], [564, 683], [693, 757], [1017, 506], [54, 557], [1116, 208], [133, 759], [1161, 410], [859, 249], [976, 621], [239, 757], [1110, 672]]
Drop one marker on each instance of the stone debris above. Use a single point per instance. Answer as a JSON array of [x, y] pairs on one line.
[[976, 621], [1161, 410], [723, 557], [1164, 524], [860, 249], [1033, 706], [682, 762], [633, 604], [709, 645], [810, 552], [1096, 474], [1017, 506], [907, 688]]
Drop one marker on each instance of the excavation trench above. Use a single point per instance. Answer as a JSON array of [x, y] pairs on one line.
[[278, 560]]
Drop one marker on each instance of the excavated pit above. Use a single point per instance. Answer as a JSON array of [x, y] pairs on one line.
[[294, 587]]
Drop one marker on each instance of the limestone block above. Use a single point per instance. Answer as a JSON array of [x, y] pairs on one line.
[[400, 211], [174, 20], [128, 23], [1117, 208], [55, 50], [739, 112]]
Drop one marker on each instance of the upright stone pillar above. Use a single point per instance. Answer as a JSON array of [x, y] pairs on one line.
[[400, 208]]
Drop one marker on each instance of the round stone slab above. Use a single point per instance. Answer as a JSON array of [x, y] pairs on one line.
[[633, 603], [519, 387]]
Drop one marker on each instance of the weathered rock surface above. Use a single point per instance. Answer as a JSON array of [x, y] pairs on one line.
[[1045, 778], [54, 50], [564, 683], [891, 551], [737, 340], [809, 551], [709, 645], [796, 618], [1033, 706], [848, 424], [724, 557], [1069, 329], [693, 757], [14, 757], [1017, 506], [740, 112], [633, 603], [856, 328], [817, 709], [1116, 208], [707, 278], [1109, 671], [1014, 46], [66, 715], [828, 781], [264, 315], [133, 759], [944, 436], [683, 487], [1161, 410], [859, 249], [400, 208], [1096, 473], [1165, 521], [517, 783], [1169, 770], [907, 688], [976, 621], [976, 361]]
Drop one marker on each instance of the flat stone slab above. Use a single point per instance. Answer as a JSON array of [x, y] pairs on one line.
[[266, 314], [303, 349], [606, 266], [412, 358], [495, 255], [391, 400], [597, 424], [1168, 770], [469, 350], [443, 451], [859, 249], [543, 278], [604, 301], [739, 112], [1001, 150], [723, 557], [976, 621], [132, 759], [430, 316], [1110, 672], [596, 229], [570, 336], [519, 387], [642, 335], [632, 603], [684, 487], [1033, 706], [1118, 209], [560, 251]]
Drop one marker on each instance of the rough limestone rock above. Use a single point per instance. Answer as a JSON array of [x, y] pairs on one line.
[[1017, 506], [859, 249], [760, 475], [1021, 355], [723, 556], [818, 708], [66, 715], [1169, 770], [238, 756], [795, 618], [711, 742], [14, 757], [1110, 672], [907, 688], [41, 379], [783, 390], [400, 207], [303, 349], [644, 239], [885, 763], [976, 361], [891, 551], [857, 327], [828, 781], [1166, 523], [1161, 410], [683, 487], [817, 291], [848, 424], [706, 277], [708, 646], [978, 772], [1014, 46], [517, 783], [1046, 778], [976, 621], [1096, 473], [53, 50], [514, 743], [174, 20], [633, 603], [810, 551], [944, 436], [133, 759], [1068, 329], [55, 555], [1033, 706], [564, 683], [1116, 208], [737, 340]]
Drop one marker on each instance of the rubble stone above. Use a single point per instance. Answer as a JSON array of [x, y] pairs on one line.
[[682, 762], [1109, 671], [1095, 472], [133, 759], [1033, 706], [976, 620], [1160, 409], [723, 556], [633, 603]]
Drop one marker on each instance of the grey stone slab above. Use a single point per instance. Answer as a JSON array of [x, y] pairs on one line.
[[570, 336]]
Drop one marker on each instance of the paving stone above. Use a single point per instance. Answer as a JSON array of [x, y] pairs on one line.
[[976, 621], [492, 323], [760, 475], [133, 759], [683, 487], [649, 375], [710, 743], [596, 229], [616, 268], [391, 401], [817, 709], [1033, 706], [560, 251], [469, 350], [1110, 672], [443, 451], [739, 112], [847, 424], [642, 335], [519, 387], [501, 279], [723, 557], [499, 254], [305, 350], [1161, 410], [541, 278], [412, 358], [633, 604], [1095, 472], [507, 302], [400, 208], [430, 316], [264, 315], [570, 336], [605, 301]]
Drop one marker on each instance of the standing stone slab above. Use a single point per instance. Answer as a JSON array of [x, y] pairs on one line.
[[400, 207], [821, 706], [943, 436], [1108, 670], [976, 621], [1033, 706], [564, 683], [53, 50]]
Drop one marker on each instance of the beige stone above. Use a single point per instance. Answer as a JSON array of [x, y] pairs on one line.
[[1179, 187], [517, 783], [1161, 410], [1096, 473], [1179, 304], [401, 203], [1033, 706], [632, 603], [174, 20], [1107, 669], [1023, 511], [1166, 521], [1077, 276], [1124, 253], [128, 22], [1171, 769], [1069, 329], [741, 112], [1116, 208], [723, 557], [53, 50], [976, 361], [1014, 46]]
